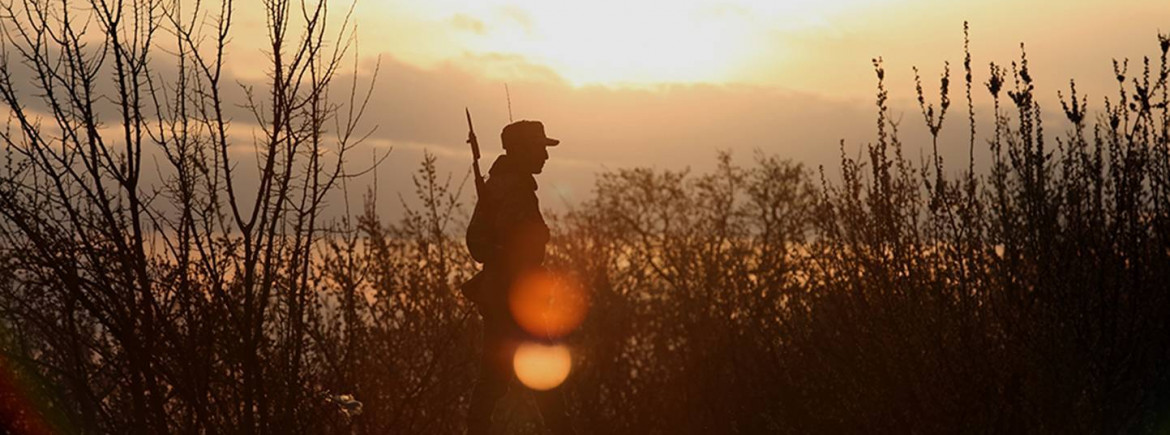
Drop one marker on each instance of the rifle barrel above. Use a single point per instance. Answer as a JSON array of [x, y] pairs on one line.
[[471, 139]]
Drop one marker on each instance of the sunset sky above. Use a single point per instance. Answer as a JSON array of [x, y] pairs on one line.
[[666, 84], [183, 240], [628, 83]]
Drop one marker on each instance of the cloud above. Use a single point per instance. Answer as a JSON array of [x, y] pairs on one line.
[[468, 23], [506, 66], [518, 16], [419, 109]]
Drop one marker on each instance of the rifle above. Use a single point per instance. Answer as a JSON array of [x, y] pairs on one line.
[[479, 184], [471, 288]]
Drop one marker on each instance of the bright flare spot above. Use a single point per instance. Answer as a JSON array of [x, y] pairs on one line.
[[547, 305], [612, 42], [542, 366], [621, 41]]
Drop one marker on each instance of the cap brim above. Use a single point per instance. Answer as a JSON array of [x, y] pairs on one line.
[[550, 142]]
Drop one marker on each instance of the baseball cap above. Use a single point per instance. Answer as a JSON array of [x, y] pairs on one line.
[[526, 132]]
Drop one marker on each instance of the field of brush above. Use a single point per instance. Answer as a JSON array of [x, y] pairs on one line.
[[898, 297]]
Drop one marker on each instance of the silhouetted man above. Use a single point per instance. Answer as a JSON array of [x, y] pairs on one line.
[[508, 235]]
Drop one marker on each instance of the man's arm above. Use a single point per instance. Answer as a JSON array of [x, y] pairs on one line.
[[516, 221]]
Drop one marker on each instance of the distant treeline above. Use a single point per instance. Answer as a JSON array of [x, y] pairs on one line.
[[767, 298]]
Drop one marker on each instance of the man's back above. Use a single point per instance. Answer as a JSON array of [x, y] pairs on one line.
[[507, 228]]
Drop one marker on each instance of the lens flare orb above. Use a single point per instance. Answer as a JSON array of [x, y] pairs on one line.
[[547, 305], [541, 366]]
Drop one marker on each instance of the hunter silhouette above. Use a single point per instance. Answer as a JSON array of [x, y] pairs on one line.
[[508, 235]]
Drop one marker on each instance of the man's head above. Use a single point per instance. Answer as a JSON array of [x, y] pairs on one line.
[[525, 141]]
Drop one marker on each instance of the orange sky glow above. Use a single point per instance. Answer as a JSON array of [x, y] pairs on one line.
[[667, 84], [628, 83], [610, 42], [793, 44]]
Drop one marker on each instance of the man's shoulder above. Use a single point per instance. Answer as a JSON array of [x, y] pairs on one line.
[[510, 182], [505, 179]]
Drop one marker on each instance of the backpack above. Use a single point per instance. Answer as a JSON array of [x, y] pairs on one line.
[[480, 238]]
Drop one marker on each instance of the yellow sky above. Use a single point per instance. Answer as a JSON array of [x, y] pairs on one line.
[[666, 84], [669, 83], [603, 41], [796, 44]]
